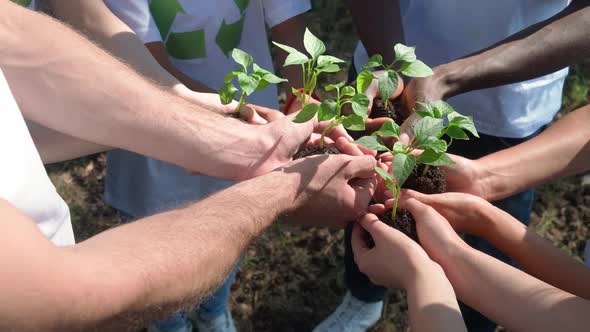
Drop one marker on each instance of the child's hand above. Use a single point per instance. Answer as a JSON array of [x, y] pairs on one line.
[[394, 261]]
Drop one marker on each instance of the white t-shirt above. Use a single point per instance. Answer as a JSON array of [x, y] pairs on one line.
[[443, 31], [23, 179], [199, 37]]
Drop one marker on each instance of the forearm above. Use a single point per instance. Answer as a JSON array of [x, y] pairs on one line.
[[79, 90], [96, 20], [290, 33], [561, 150], [432, 303], [533, 52], [379, 26], [55, 147], [498, 291], [535, 255]]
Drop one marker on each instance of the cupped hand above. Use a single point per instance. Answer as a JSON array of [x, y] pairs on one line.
[[436, 235], [331, 189], [463, 211], [394, 260], [466, 176]]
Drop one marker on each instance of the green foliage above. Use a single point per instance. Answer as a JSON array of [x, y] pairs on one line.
[[313, 65], [428, 137], [248, 83], [406, 63]]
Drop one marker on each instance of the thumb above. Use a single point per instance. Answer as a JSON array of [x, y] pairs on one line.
[[360, 167], [373, 225]]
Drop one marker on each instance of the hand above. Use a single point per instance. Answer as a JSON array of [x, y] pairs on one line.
[[465, 176], [258, 115], [436, 235], [463, 211], [395, 259], [331, 190]]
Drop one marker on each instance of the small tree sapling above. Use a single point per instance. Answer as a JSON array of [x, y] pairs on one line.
[[248, 83], [407, 64], [428, 137], [312, 66]]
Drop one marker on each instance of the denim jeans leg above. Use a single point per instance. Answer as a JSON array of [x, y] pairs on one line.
[[357, 282], [216, 305]]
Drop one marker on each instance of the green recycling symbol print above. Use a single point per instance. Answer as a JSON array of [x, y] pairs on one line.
[[191, 44]]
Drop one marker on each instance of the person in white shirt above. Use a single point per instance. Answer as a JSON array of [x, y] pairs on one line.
[[62, 82], [489, 58]]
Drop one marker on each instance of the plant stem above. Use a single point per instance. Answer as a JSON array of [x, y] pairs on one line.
[[330, 126], [241, 102], [395, 201], [426, 168]]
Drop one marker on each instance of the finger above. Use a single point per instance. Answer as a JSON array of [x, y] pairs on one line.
[[269, 114], [338, 132], [373, 225], [408, 126], [359, 245], [386, 157], [419, 210], [408, 193], [315, 140], [377, 209], [360, 167], [349, 148], [364, 189], [250, 116]]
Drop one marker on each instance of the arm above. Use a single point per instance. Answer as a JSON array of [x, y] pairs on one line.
[[495, 289], [396, 261], [136, 271], [379, 26], [79, 90], [535, 255]]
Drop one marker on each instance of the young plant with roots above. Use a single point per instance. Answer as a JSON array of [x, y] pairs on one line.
[[248, 83], [428, 131]]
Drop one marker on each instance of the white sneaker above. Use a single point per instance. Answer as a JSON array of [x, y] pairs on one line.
[[352, 315]]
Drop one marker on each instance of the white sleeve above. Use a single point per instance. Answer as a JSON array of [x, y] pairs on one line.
[[136, 14], [278, 11]]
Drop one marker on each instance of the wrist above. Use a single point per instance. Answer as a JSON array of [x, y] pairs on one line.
[[451, 78], [427, 274]]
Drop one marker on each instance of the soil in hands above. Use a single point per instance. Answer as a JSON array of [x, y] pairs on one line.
[[312, 150], [433, 182]]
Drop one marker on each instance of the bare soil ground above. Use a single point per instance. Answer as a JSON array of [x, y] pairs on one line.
[[291, 278]]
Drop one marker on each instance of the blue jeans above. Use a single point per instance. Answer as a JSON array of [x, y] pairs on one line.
[[210, 309], [519, 206]]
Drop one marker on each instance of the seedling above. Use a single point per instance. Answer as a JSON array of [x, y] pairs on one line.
[[312, 66], [405, 62], [249, 83], [428, 137], [332, 110]]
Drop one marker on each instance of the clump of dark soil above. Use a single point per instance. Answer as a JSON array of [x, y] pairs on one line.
[[433, 182], [312, 150], [378, 110]]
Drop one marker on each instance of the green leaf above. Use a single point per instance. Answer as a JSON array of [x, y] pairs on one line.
[[428, 127], [335, 86], [262, 84], [387, 177], [375, 61], [227, 93], [297, 93], [404, 53], [403, 165], [348, 91], [429, 157], [425, 109], [463, 122], [416, 69], [313, 45], [455, 132], [295, 57], [387, 86], [272, 78], [364, 80], [306, 114], [327, 110], [248, 83], [399, 147], [360, 105], [330, 68], [324, 60], [242, 58], [441, 109], [432, 143], [353, 122], [388, 129], [372, 142]]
